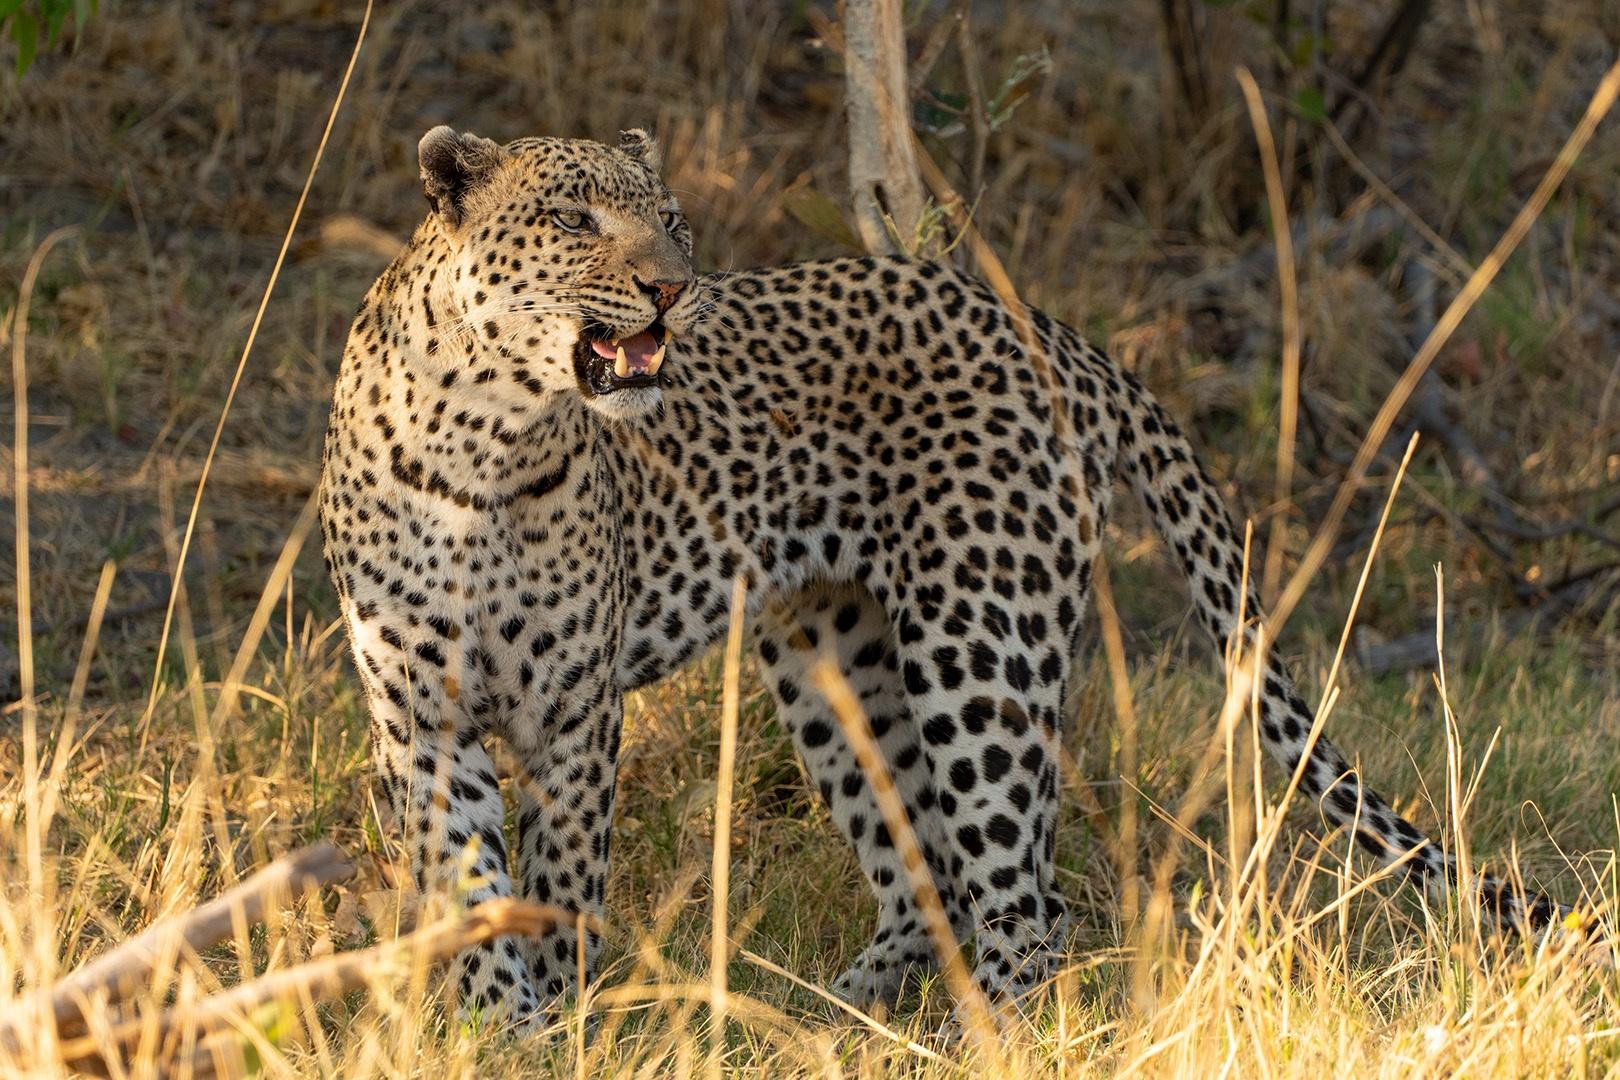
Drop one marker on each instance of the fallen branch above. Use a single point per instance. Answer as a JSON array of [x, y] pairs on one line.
[[1419, 650], [95, 1020], [1537, 533], [320, 980], [1429, 416], [129, 967]]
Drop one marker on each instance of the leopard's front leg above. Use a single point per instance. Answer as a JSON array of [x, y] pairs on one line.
[[565, 814], [442, 788]]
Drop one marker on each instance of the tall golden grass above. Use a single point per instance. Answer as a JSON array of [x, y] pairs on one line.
[[185, 151]]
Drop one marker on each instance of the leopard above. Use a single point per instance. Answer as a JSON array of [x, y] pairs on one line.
[[554, 449]]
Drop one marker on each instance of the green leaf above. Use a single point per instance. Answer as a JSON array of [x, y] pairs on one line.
[[25, 32], [26, 21], [55, 13], [1311, 105], [820, 214]]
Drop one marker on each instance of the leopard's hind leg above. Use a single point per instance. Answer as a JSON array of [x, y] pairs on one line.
[[846, 625]]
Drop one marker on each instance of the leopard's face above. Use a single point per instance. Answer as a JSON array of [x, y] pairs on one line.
[[571, 259]]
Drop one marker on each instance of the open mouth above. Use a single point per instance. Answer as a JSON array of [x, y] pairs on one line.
[[606, 364]]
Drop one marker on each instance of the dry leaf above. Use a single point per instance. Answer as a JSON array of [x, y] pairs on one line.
[[1462, 361]]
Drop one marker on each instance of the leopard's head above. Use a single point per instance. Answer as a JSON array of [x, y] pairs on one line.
[[569, 259]]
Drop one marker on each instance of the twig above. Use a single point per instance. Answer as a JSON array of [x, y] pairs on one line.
[[1282, 35], [1454, 259], [1548, 532], [978, 122]]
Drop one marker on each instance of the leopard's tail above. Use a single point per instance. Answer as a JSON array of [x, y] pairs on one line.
[[1188, 512]]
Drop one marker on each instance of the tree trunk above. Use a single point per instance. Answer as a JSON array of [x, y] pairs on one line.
[[884, 188]]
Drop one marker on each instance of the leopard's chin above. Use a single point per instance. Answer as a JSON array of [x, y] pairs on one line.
[[628, 403]]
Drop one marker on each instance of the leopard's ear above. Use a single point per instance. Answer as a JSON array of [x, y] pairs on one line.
[[454, 165], [641, 146]]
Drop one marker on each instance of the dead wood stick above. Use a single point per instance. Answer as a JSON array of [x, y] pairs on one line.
[[932, 49], [130, 966], [320, 980], [1429, 416]]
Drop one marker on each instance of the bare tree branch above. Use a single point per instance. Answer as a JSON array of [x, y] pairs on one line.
[[1388, 57], [1179, 23], [933, 48]]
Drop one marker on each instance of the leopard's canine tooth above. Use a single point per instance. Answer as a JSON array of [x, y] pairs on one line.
[[657, 357], [621, 364]]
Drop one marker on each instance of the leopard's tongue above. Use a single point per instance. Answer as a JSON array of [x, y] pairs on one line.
[[642, 354]]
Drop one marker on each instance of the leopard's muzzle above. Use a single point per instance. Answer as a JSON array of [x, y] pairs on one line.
[[607, 364]]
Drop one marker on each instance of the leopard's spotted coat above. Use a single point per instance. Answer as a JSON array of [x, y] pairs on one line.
[[518, 538]]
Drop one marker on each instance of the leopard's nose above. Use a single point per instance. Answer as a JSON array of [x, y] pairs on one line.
[[664, 292]]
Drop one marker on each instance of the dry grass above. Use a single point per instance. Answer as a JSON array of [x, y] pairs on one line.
[[175, 139]]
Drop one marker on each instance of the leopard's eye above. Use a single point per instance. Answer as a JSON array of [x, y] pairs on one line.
[[671, 219], [570, 220]]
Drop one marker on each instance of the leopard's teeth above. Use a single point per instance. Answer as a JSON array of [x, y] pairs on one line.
[[657, 359], [621, 364]]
